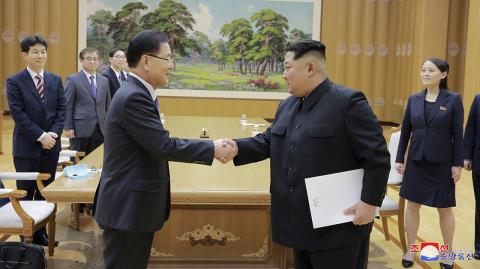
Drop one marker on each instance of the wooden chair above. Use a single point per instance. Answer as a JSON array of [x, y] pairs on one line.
[[26, 217], [389, 206]]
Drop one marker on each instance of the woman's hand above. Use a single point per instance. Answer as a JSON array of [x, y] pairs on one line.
[[456, 170]]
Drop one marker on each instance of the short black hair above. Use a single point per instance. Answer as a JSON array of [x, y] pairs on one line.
[[145, 42], [31, 41], [114, 50], [82, 53], [302, 47], [443, 66]]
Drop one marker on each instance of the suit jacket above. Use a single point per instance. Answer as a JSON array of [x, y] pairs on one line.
[[438, 138], [332, 130], [83, 111], [32, 117], [112, 80], [134, 189], [472, 136]]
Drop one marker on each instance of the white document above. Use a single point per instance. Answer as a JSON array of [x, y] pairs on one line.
[[330, 195]]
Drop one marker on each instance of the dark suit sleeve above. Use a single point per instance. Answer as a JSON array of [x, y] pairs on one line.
[[254, 149], [142, 123], [457, 131], [59, 122], [70, 101], [404, 134], [17, 108], [108, 99], [369, 147], [471, 130]]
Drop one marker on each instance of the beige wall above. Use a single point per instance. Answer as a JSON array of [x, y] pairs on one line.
[[55, 20]]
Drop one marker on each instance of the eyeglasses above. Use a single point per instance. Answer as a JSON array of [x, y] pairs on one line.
[[170, 60], [119, 57]]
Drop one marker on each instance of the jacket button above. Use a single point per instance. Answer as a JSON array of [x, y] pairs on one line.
[[291, 189], [292, 147], [297, 127]]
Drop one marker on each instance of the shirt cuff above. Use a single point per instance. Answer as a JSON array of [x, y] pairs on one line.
[[41, 137]]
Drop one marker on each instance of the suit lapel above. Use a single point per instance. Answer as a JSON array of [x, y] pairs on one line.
[[114, 77], [420, 106], [86, 83], [32, 87], [442, 99]]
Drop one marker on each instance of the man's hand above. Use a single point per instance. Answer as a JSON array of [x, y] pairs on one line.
[[223, 152], [364, 213], [48, 141], [231, 143], [69, 133], [467, 164]]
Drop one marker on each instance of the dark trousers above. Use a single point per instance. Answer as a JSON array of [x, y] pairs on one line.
[[125, 249], [47, 163], [353, 256], [88, 144], [476, 191]]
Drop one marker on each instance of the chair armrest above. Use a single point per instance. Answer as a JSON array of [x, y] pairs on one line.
[[12, 193]]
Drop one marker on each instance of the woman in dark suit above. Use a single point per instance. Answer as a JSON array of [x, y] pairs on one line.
[[434, 121]]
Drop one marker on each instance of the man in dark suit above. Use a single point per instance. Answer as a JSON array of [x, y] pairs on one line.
[[323, 128], [472, 162], [37, 103], [133, 197], [115, 74], [88, 98]]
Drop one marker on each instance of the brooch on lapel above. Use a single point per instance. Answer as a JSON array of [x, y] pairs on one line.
[[442, 108]]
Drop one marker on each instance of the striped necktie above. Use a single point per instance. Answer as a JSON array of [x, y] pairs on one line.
[[40, 87]]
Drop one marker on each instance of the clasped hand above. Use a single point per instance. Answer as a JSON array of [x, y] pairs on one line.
[[225, 149]]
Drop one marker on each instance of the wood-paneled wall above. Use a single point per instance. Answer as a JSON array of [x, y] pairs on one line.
[[55, 20], [378, 46]]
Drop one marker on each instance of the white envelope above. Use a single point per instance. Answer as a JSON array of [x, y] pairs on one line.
[[330, 195]]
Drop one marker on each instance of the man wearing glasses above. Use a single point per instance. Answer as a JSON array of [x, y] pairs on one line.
[[133, 196], [116, 74], [88, 98]]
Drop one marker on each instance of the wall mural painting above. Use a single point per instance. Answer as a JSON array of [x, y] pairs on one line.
[[217, 44]]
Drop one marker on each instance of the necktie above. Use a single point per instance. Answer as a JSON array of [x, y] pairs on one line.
[[122, 77], [40, 86], [156, 104], [93, 87], [120, 80]]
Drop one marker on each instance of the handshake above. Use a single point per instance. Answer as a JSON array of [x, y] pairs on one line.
[[225, 149]]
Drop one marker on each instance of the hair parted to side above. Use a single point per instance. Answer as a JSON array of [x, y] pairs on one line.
[[82, 53], [112, 52], [145, 42], [302, 47], [443, 66], [31, 41]]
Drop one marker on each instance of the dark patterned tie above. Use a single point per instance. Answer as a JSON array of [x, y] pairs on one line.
[[40, 87], [93, 87]]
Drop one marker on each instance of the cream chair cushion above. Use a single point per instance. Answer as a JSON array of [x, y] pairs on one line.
[[38, 210], [388, 204]]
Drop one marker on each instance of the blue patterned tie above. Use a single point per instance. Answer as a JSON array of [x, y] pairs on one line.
[[156, 104], [93, 87]]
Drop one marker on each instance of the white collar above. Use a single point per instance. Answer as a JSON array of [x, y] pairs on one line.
[[33, 74], [88, 74], [149, 87]]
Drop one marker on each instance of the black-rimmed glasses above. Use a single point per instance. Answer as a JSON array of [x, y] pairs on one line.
[[170, 60]]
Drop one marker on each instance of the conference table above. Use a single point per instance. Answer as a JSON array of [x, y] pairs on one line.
[[220, 214]]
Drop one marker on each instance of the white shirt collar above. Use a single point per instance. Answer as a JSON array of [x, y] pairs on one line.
[[117, 74], [149, 87], [33, 74], [88, 74]]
